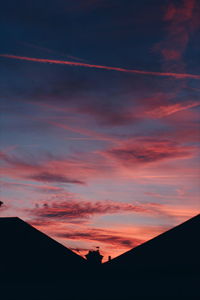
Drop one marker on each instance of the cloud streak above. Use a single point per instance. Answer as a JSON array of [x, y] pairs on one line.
[[103, 236], [77, 209], [49, 177], [53, 170], [118, 69]]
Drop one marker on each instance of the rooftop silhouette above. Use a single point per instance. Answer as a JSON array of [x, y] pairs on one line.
[[28, 253], [174, 251]]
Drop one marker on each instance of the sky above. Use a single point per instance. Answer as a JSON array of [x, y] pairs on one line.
[[99, 140]]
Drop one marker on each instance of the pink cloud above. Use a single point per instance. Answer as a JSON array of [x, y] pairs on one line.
[[53, 177], [103, 236], [136, 158], [81, 209], [149, 151], [50, 170], [76, 211], [181, 21]]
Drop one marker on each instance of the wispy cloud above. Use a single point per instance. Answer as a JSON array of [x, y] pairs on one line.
[[181, 20], [50, 170], [86, 132], [77, 209], [40, 188], [53, 177], [52, 51], [103, 236]]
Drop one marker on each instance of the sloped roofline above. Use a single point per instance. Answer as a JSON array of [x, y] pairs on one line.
[[196, 217], [41, 233]]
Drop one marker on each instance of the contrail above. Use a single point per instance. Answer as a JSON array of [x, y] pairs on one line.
[[53, 51], [80, 64]]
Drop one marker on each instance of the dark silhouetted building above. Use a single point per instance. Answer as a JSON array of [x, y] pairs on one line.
[[37, 266]]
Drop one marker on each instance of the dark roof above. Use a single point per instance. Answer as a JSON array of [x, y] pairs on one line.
[[26, 250], [176, 250], [27, 253]]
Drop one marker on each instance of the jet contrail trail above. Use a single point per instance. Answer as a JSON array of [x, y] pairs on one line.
[[80, 64]]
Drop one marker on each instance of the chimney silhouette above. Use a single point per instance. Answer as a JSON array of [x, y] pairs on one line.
[[94, 257]]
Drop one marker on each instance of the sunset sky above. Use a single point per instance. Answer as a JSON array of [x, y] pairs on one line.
[[100, 118]]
